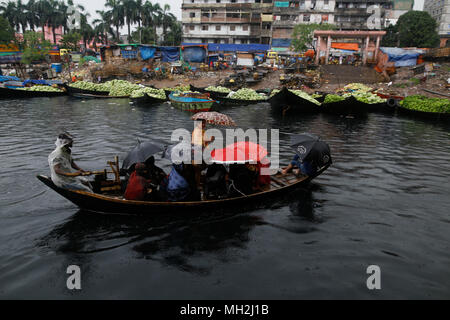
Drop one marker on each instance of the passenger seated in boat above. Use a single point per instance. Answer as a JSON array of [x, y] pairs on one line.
[[241, 179], [154, 174], [216, 182], [259, 181], [180, 184], [298, 166], [138, 187], [199, 142], [65, 173]]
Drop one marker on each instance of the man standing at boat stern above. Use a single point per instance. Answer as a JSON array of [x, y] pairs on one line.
[[65, 173]]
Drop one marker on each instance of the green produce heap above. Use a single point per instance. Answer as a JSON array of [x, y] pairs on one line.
[[155, 93], [330, 98], [247, 94], [300, 93], [86, 85], [365, 97], [218, 89], [422, 103], [41, 88]]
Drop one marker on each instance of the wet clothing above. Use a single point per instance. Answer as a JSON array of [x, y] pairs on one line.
[[136, 188], [306, 167], [177, 186], [62, 156]]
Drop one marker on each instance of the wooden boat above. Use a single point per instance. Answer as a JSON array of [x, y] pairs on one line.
[[113, 202], [190, 101], [147, 100], [168, 92], [287, 102], [348, 106], [72, 91], [96, 96], [423, 114], [7, 93]]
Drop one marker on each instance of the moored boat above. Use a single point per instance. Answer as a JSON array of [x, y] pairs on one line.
[[191, 101], [287, 102], [147, 100], [8, 93], [445, 116], [72, 91]]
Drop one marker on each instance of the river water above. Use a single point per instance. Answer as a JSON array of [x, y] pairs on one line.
[[385, 201]]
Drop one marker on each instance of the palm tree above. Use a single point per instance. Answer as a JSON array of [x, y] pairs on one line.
[[30, 14], [12, 13], [117, 15], [86, 31], [139, 7], [103, 25], [129, 10]]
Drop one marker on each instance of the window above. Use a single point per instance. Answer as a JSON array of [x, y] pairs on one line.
[[205, 28], [233, 1], [232, 28], [245, 28], [217, 1], [191, 27], [306, 18], [192, 14], [217, 28]]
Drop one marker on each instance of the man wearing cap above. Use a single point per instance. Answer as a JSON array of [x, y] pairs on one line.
[[65, 172]]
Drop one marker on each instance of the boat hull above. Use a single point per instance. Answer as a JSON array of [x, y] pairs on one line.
[[116, 205], [7, 93], [288, 102]]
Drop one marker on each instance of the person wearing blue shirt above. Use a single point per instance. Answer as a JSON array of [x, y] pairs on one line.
[[305, 167]]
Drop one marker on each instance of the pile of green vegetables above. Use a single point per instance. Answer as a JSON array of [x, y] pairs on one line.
[[330, 98], [86, 85], [219, 89], [422, 103], [153, 92], [120, 88], [365, 97], [247, 94], [41, 89]]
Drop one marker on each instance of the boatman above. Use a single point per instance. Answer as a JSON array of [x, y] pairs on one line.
[[65, 172]]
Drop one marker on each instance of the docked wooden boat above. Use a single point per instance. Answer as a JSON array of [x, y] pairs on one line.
[[168, 92], [191, 101], [287, 102], [423, 114], [147, 100], [8, 93], [96, 96], [72, 91], [348, 106], [114, 203]]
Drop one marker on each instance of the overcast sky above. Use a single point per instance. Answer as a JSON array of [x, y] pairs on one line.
[[93, 5]]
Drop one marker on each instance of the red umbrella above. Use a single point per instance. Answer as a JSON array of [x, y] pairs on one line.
[[215, 118], [239, 152]]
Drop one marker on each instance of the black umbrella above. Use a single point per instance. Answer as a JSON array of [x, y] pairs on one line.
[[309, 147], [141, 152]]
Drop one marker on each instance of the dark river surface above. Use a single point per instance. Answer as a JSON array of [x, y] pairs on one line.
[[385, 201]]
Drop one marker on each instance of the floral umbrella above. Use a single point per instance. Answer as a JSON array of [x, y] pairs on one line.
[[215, 118]]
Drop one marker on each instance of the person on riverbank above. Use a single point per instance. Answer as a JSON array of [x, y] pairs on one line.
[[65, 173]]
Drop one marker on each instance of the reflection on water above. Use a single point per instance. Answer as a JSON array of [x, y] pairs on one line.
[[384, 201]]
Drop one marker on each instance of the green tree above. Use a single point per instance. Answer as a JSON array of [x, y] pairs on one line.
[[117, 15], [71, 40], [144, 35], [303, 35], [417, 29], [35, 48], [390, 39], [6, 31]]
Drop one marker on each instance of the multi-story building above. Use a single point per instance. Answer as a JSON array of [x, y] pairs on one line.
[[361, 14], [272, 22], [440, 11], [399, 7]]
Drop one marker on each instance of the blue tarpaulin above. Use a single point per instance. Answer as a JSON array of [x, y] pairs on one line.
[[147, 52], [224, 47], [129, 54], [281, 43], [402, 57], [42, 82], [170, 54], [8, 78], [194, 53]]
